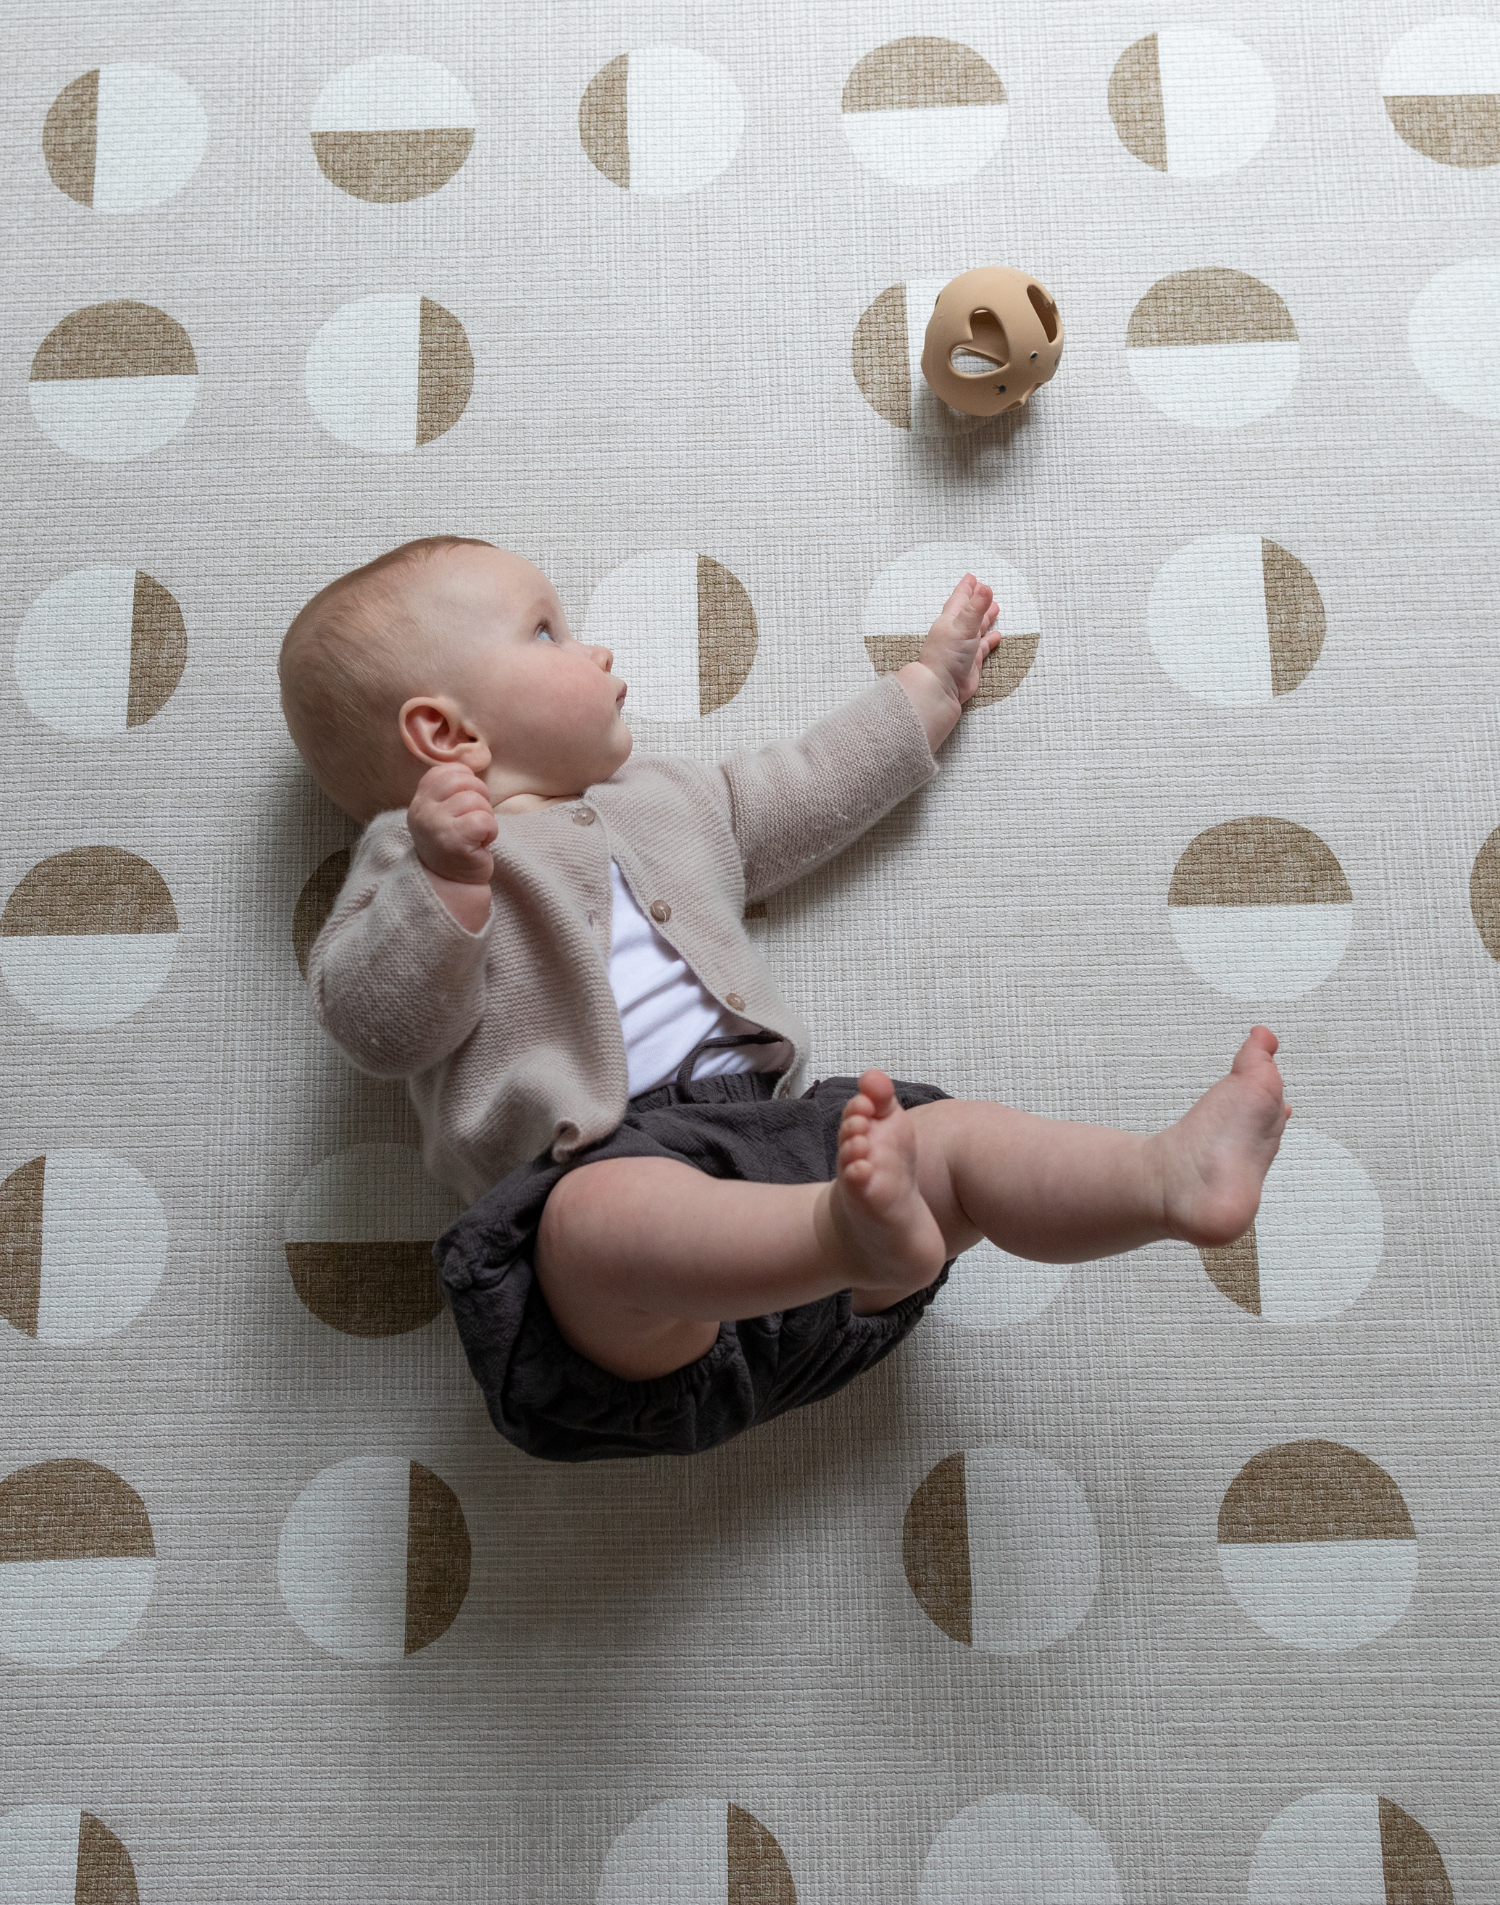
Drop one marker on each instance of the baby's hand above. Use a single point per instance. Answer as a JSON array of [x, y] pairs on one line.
[[452, 822], [962, 637]]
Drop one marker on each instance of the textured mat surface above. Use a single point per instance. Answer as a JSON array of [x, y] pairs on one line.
[[1160, 1580]]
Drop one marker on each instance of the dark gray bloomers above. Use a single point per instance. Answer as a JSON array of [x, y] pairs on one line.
[[551, 1401]]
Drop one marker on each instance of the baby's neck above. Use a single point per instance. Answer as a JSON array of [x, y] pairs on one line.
[[528, 803]]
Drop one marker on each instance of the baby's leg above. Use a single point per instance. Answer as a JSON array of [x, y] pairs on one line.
[[640, 1259], [1068, 1193]]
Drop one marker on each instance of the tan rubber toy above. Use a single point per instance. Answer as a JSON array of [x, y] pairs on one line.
[[1004, 317]]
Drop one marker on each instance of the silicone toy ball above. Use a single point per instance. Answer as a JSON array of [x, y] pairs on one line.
[[1004, 317]]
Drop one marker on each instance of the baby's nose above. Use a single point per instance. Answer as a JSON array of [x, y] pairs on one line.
[[604, 658]]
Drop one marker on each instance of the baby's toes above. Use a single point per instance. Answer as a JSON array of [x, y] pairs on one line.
[[877, 1090]]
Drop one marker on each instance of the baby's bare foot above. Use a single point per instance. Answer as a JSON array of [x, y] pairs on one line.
[[879, 1217], [1214, 1160]]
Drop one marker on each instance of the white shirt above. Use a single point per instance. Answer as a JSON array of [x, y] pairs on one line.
[[664, 1011]]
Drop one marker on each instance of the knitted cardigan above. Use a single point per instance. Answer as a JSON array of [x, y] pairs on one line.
[[509, 1038]]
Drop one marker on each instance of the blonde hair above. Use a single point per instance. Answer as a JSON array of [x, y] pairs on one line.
[[351, 656]]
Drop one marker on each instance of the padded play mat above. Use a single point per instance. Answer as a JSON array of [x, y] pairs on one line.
[[1169, 1580]]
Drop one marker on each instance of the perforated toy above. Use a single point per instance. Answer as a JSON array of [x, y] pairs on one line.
[[1003, 329]]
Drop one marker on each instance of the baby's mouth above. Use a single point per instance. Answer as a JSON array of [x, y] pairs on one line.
[[620, 697]]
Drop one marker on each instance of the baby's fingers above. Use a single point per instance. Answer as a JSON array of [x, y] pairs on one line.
[[959, 598], [978, 606]]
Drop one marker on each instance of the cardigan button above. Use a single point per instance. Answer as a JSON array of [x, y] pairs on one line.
[[660, 912], [582, 817], [734, 1002]]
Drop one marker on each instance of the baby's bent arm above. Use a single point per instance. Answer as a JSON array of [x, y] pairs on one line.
[[396, 981], [469, 905]]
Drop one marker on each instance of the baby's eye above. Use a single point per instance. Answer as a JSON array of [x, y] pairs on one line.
[[543, 632]]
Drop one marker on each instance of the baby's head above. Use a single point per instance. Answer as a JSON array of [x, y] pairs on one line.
[[447, 649]]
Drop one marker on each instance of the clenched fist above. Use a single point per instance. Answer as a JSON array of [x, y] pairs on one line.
[[452, 823]]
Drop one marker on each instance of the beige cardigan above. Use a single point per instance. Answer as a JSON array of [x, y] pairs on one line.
[[509, 1038]]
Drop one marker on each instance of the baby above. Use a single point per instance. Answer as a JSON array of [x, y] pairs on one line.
[[667, 1239]]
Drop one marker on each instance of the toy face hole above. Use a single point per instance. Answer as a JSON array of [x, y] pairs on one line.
[[989, 336], [968, 363], [1045, 309]]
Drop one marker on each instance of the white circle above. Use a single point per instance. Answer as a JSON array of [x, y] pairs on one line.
[[341, 1560], [1454, 337], [1207, 623], [1456, 54], [684, 117], [1323, 1849], [1319, 1231], [39, 1856], [72, 653], [104, 1246], [393, 92], [675, 1853], [1022, 1849], [362, 372], [988, 1289], [378, 1193], [1268, 953], [112, 419], [1034, 1555], [150, 132], [1215, 386], [1218, 102], [646, 613], [926, 145]]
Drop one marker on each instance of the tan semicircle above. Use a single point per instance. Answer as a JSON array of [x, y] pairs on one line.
[[1135, 103], [378, 1286], [1295, 622], [881, 357], [726, 635], [388, 168], [70, 137], [21, 1208], [1258, 861], [158, 649], [935, 1550], [316, 901], [1413, 1867], [445, 371], [106, 1872], [1313, 1490], [90, 890], [1234, 1270], [1484, 894], [602, 125], [1212, 305], [120, 338], [921, 70], [1453, 128], [758, 1871], [1001, 673], [71, 1510], [438, 1558]]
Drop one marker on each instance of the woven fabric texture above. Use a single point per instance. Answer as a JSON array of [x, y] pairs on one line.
[[1167, 1579]]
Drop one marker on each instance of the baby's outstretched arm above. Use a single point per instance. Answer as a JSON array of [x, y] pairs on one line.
[[946, 672]]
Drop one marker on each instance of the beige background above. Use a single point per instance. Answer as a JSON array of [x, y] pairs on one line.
[[674, 373]]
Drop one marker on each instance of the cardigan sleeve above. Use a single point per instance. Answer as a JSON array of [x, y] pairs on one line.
[[795, 804], [396, 982]]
